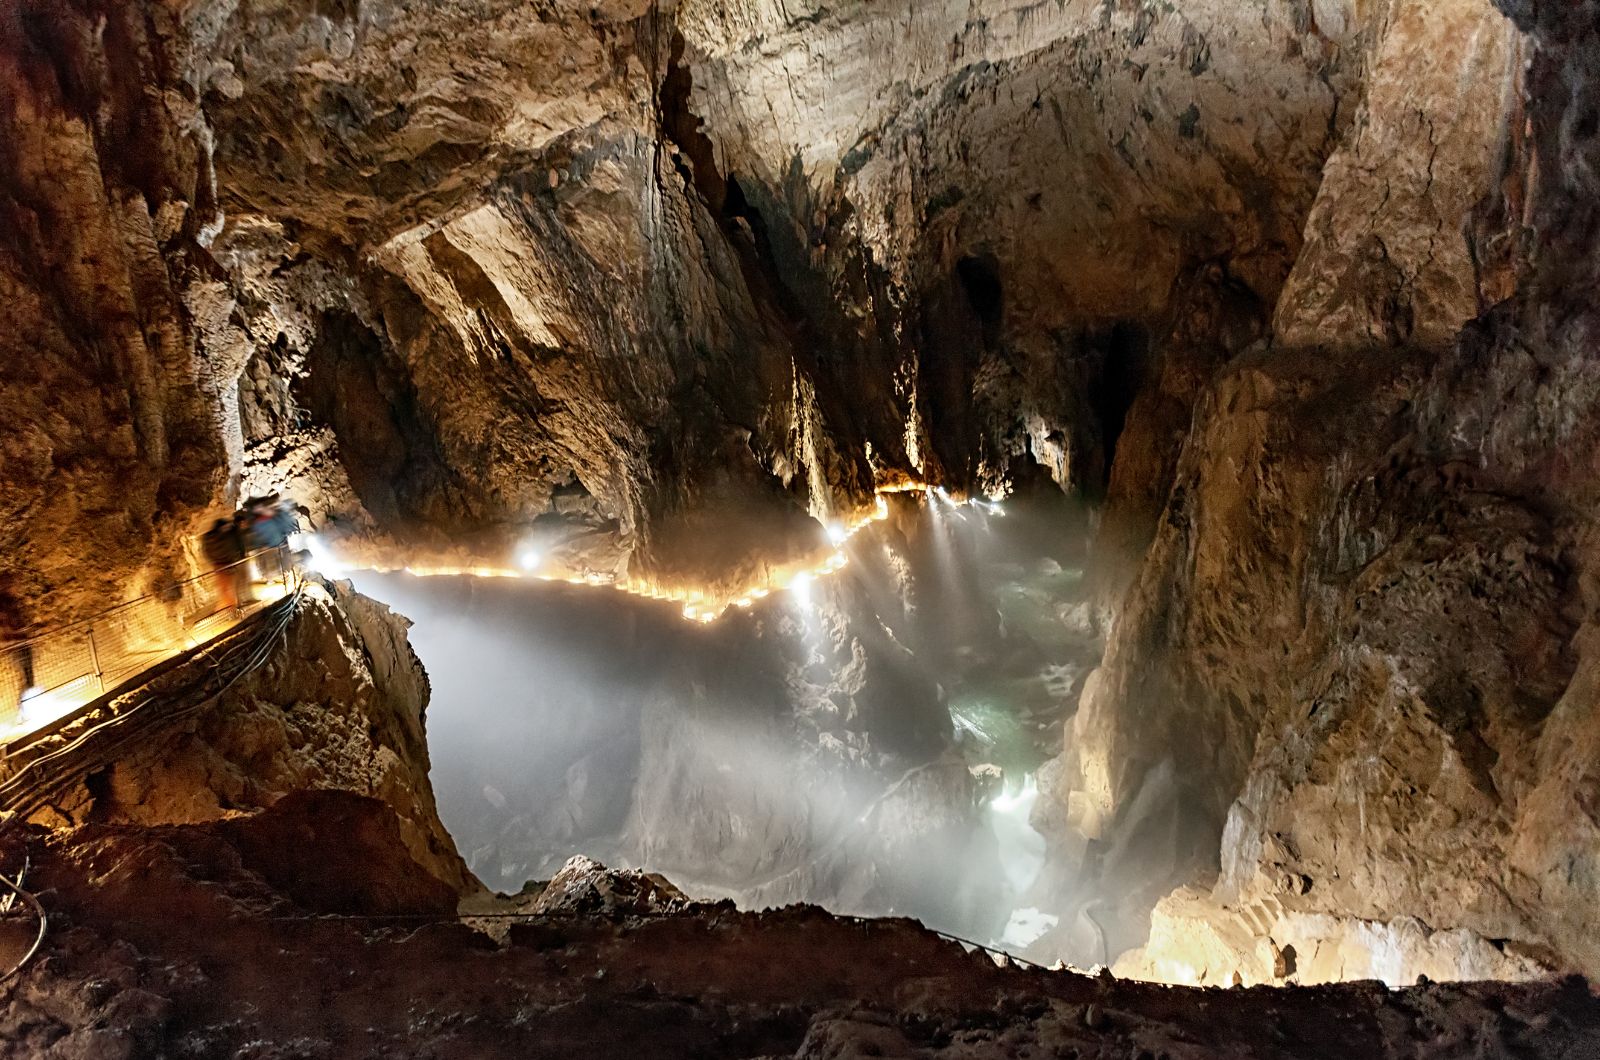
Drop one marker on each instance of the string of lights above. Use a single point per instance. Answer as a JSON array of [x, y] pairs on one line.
[[698, 605]]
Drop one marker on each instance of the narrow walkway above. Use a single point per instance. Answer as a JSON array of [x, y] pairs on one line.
[[36, 768], [52, 676]]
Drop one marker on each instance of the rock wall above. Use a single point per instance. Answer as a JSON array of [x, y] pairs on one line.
[[115, 426], [1003, 198], [1296, 286], [593, 285], [1368, 587], [1396, 252]]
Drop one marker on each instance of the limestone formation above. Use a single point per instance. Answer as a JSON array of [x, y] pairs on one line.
[[1368, 587]]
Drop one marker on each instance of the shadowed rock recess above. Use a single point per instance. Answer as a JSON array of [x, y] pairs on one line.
[[1131, 467]]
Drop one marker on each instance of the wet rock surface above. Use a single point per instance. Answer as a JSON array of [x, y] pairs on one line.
[[148, 925]]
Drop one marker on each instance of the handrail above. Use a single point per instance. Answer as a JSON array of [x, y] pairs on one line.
[[52, 674], [52, 758], [162, 593]]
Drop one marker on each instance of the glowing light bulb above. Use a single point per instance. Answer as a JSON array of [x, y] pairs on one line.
[[837, 534], [800, 588], [529, 558], [322, 561]]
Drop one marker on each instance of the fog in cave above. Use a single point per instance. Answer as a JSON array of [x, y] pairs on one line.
[[930, 675]]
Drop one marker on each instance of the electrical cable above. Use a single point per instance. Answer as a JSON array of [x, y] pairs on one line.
[[258, 651], [256, 648], [450, 918], [44, 923]]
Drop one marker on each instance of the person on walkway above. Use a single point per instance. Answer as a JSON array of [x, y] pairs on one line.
[[273, 520], [18, 683], [244, 589], [257, 524], [285, 519], [225, 551]]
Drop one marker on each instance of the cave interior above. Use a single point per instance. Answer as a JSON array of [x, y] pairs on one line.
[[726, 528]]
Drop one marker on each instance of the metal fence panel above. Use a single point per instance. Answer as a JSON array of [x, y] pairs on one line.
[[49, 676]]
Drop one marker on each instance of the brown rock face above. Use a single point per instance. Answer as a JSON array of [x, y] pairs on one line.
[[339, 705], [1394, 254], [113, 418], [1368, 588], [1016, 194], [626, 273], [1300, 289]]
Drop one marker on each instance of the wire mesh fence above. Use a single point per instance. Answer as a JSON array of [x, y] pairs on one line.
[[48, 676]]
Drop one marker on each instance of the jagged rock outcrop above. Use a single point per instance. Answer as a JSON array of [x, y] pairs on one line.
[[585, 886], [338, 705], [1410, 237]]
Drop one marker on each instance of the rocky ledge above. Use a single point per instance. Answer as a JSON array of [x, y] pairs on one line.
[[307, 930]]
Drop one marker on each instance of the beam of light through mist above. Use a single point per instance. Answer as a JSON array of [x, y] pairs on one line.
[[804, 752], [321, 559]]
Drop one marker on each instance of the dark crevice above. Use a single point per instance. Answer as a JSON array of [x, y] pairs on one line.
[[1122, 358], [384, 441], [684, 130], [980, 278]]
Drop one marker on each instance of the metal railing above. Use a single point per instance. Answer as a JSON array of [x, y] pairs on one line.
[[50, 675]]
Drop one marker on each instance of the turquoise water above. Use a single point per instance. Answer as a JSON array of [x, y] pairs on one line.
[[993, 732]]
